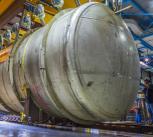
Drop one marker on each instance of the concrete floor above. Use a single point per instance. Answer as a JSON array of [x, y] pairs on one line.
[[16, 130]]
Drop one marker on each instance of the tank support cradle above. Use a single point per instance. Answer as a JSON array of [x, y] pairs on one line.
[[32, 111]]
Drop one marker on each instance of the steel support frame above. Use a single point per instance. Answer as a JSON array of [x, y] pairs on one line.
[[141, 9], [143, 42]]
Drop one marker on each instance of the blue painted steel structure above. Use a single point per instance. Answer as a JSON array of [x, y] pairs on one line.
[[146, 18], [143, 42], [142, 13], [146, 35]]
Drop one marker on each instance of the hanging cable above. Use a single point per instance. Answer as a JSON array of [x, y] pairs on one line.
[[77, 2]]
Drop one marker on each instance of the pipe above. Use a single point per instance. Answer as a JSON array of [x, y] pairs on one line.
[[73, 69], [126, 8]]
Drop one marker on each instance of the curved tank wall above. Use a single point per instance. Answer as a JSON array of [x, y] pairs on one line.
[[83, 66]]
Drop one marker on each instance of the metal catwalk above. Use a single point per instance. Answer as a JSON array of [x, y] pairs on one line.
[[17, 130]]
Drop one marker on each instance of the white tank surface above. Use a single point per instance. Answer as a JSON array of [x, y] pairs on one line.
[[83, 66]]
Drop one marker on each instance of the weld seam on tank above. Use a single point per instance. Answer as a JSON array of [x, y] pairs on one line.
[[67, 33], [26, 49], [65, 61], [77, 18], [54, 97], [77, 67], [44, 81], [59, 104], [13, 65]]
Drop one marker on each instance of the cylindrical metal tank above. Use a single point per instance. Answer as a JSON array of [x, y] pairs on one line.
[[7, 93], [83, 66]]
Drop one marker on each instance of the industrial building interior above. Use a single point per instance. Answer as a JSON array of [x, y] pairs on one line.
[[76, 68]]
